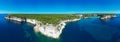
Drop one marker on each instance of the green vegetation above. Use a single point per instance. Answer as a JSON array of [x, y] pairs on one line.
[[55, 18], [47, 18]]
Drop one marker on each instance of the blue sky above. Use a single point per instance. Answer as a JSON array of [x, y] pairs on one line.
[[59, 6]]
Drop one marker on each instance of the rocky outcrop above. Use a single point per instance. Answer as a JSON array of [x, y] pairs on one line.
[[107, 17], [49, 30]]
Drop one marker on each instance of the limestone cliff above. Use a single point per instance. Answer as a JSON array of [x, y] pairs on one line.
[[49, 30]]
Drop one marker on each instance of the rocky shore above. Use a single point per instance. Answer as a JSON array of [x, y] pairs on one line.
[[49, 30], [107, 17]]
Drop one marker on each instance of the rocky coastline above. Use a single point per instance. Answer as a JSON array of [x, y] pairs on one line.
[[49, 30]]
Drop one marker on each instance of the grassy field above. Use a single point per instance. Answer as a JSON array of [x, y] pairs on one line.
[[47, 18]]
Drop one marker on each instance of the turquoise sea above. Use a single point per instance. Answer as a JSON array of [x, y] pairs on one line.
[[84, 30]]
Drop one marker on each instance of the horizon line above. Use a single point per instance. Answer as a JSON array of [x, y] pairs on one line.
[[58, 12]]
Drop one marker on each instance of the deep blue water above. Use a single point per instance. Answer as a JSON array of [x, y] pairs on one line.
[[84, 30], [92, 30], [14, 32]]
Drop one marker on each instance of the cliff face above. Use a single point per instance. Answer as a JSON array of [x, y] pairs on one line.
[[107, 17], [49, 30]]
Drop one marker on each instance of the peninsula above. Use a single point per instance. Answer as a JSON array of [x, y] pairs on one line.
[[50, 25]]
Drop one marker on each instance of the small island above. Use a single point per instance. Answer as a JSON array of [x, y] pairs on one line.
[[51, 25]]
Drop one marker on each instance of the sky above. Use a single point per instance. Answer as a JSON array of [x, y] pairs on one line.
[[59, 6]]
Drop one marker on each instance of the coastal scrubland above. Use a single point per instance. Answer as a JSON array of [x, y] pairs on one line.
[[47, 18], [55, 18]]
